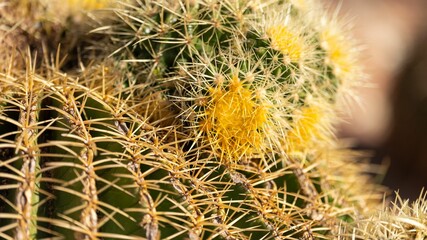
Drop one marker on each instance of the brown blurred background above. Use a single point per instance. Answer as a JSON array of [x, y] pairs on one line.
[[391, 122]]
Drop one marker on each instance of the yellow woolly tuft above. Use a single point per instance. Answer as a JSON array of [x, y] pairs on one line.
[[338, 52], [287, 42], [234, 120], [306, 131]]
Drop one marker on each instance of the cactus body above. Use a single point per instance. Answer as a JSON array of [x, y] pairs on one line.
[[192, 120]]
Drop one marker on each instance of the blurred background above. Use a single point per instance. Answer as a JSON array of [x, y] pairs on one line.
[[391, 121]]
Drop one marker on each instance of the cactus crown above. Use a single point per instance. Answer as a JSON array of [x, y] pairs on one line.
[[189, 119]]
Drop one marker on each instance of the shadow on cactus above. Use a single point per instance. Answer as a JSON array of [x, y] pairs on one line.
[[195, 120]]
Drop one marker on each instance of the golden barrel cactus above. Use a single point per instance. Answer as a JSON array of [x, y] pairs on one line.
[[188, 119]]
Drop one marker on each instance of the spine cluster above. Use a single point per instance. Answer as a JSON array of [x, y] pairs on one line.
[[187, 119]]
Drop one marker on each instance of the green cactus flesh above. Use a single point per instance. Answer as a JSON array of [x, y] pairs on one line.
[[196, 119]]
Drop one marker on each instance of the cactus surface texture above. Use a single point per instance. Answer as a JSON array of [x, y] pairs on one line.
[[186, 119]]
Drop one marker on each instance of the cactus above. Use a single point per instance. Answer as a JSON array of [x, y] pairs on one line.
[[47, 27], [401, 220], [191, 120]]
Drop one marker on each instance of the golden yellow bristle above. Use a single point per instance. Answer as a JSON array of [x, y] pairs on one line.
[[339, 52], [234, 120], [306, 131], [287, 42]]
